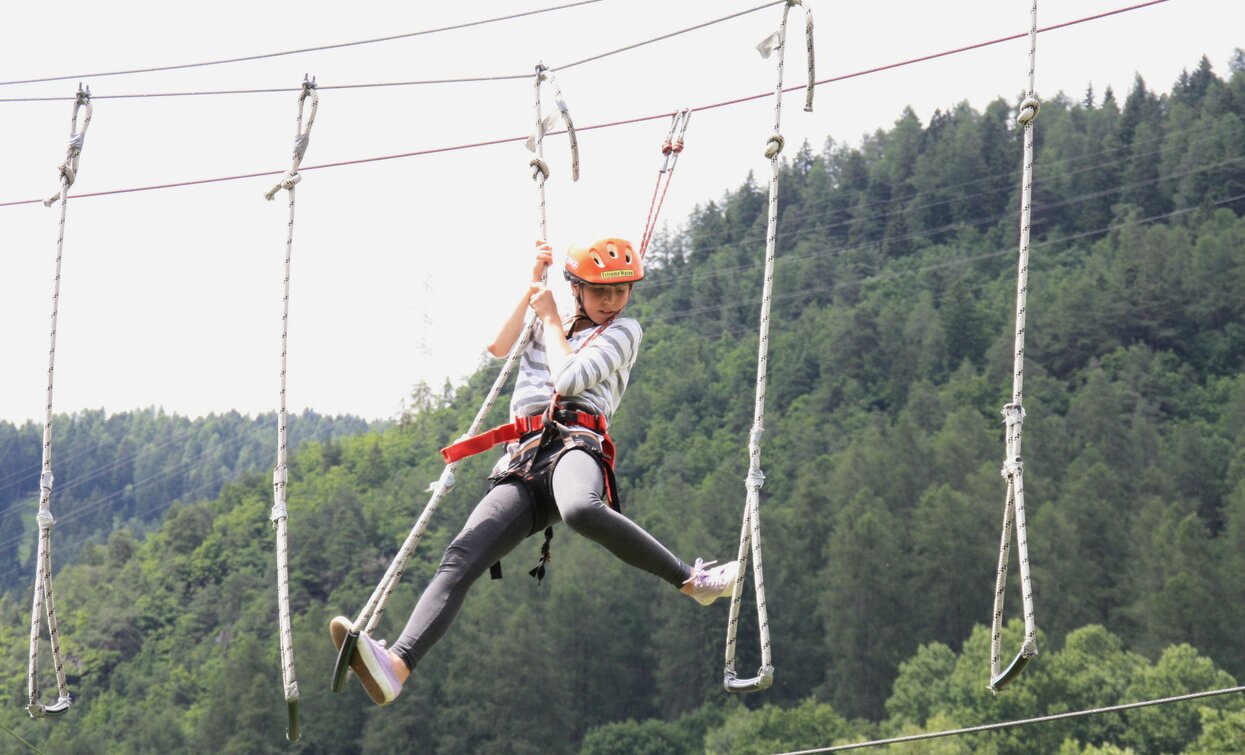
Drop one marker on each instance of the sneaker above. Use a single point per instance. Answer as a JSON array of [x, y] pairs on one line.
[[709, 582], [371, 662]]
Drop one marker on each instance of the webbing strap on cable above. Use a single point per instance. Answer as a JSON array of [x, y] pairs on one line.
[[750, 533], [538, 164], [280, 475], [670, 150], [43, 598], [1014, 414], [369, 617]]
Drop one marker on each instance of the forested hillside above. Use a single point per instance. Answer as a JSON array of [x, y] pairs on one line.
[[890, 360], [125, 470]]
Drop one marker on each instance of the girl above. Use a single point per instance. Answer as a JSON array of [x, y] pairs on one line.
[[559, 465]]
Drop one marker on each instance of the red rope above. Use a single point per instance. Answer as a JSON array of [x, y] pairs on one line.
[[628, 121]]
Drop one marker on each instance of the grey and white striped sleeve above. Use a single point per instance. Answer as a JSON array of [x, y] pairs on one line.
[[614, 350]]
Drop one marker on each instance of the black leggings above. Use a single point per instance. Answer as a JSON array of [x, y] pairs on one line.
[[504, 518]]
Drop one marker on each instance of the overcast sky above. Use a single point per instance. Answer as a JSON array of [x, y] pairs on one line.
[[403, 268]]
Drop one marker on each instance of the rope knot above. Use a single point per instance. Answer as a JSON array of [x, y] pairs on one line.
[[45, 519], [45, 480], [288, 182], [444, 484], [1028, 111], [1012, 467], [755, 479], [1013, 414], [540, 169], [774, 146]]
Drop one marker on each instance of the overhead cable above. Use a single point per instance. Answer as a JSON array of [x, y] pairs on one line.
[[1023, 722], [611, 124], [267, 55], [514, 76]]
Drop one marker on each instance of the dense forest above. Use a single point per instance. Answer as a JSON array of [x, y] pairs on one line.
[[890, 360], [123, 471]]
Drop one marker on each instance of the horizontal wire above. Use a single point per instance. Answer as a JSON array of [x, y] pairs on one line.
[[611, 124], [422, 82], [267, 55], [1023, 721]]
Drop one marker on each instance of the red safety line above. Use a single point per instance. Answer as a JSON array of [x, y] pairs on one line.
[[626, 122]]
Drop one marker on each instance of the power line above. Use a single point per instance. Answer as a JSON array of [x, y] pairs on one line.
[[267, 55], [629, 121], [1022, 722]]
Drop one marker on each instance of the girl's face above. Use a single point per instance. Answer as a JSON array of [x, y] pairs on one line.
[[602, 302]]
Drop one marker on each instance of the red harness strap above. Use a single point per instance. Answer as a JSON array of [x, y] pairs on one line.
[[521, 426]]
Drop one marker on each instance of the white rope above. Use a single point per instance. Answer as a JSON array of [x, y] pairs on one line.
[[280, 475], [750, 533], [1014, 414], [372, 611], [43, 599]]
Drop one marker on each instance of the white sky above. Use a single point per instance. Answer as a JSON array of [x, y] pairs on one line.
[[402, 269]]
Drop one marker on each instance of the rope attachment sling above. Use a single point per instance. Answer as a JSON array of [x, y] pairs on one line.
[[750, 532], [1013, 418], [43, 599], [369, 617], [670, 150], [280, 475]]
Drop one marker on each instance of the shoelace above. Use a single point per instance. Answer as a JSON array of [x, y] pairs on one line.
[[701, 576]]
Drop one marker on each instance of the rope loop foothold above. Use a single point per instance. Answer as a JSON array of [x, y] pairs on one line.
[[774, 146], [1028, 111]]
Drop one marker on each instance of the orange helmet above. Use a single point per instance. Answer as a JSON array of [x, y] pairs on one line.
[[610, 260]]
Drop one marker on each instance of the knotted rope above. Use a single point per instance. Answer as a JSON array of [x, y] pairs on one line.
[[370, 616], [1013, 417], [750, 533], [43, 599], [280, 475]]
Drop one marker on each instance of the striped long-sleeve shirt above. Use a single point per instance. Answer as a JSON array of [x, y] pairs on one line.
[[594, 376]]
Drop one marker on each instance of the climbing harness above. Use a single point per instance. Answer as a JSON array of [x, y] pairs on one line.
[[1013, 418], [750, 533], [280, 475], [43, 600], [370, 616], [670, 149]]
